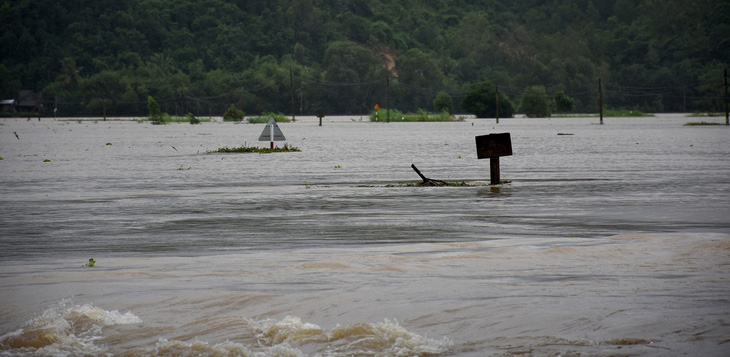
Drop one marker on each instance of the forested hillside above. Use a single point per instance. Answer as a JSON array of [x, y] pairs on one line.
[[342, 56]]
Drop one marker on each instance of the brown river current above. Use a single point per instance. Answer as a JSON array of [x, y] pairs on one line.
[[608, 240]]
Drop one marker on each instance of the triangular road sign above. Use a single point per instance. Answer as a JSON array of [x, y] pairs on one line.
[[272, 132]]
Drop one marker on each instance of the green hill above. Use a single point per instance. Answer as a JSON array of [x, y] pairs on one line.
[[335, 55]]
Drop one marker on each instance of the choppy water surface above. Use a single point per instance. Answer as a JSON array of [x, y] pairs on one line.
[[609, 239]]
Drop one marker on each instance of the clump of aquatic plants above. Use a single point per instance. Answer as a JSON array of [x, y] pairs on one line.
[[419, 116], [253, 149], [167, 118], [708, 114], [701, 123], [90, 264], [624, 113], [264, 118], [421, 184]]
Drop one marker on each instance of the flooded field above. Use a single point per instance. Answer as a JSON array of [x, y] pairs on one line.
[[608, 239]]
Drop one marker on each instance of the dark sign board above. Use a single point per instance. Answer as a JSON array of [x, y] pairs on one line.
[[494, 145]]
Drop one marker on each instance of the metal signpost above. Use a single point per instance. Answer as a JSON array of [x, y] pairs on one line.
[[272, 132]]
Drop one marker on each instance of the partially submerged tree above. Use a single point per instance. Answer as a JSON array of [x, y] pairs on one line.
[[535, 102], [155, 113], [563, 103], [443, 103], [233, 114], [481, 100]]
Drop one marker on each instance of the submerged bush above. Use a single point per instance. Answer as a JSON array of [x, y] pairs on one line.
[[233, 114], [154, 109]]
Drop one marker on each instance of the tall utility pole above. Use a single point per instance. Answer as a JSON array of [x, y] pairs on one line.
[[291, 86], [497, 101], [600, 100], [387, 97]]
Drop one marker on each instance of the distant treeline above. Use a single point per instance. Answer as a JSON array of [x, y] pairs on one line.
[[344, 56]]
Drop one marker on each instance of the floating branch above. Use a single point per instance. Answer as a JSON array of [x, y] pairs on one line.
[[427, 181]]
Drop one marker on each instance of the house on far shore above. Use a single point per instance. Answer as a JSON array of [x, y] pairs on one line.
[[29, 101], [7, 106]]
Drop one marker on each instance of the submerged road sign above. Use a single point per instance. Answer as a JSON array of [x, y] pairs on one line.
[[272, 132]]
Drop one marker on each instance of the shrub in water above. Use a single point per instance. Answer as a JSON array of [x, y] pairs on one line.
[[233, 114], [155, 113]]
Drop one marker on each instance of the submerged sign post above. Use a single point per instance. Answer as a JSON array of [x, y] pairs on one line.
[[272, 132], [493, 146]]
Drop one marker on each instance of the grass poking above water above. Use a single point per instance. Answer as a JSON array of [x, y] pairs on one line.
[[702, 123], [420, 116], [264, 118]]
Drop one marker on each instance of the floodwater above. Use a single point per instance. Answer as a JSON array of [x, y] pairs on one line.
[[607, 240]]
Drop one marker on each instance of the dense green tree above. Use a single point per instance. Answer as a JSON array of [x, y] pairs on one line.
[[421, 76], [481, 100], [443, 103], [9, 86], [535, 102], [346, 64], [563, 103]]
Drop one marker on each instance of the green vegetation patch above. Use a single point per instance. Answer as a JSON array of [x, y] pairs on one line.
[[700, 123], [264, 118], [702, 115], [253, 149], [420, 116], [624, 113], [167, 118]]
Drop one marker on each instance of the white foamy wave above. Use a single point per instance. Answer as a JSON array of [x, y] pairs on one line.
[[386, 338], [226, 349], [63, 330]]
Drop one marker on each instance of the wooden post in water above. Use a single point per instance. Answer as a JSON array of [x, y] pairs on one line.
[[600, 100], [493, 146], [387, 97], [494, 171], [727, 117], [103, 101], [291, 87], [320, 115], [497, 113]]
